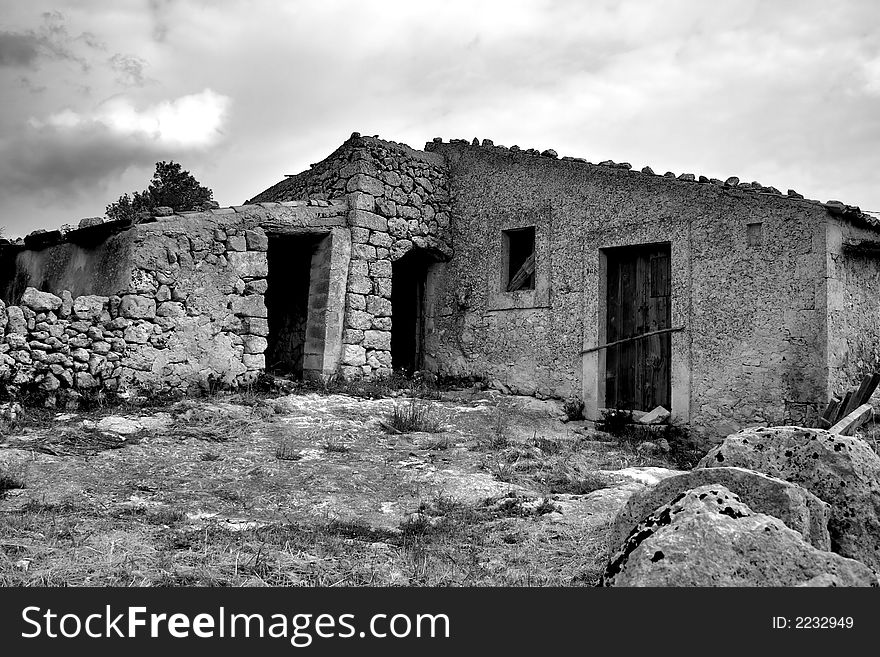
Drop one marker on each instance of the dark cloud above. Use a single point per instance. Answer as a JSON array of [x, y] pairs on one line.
[[51, 41], [53, 164], [18, 49], [71, 155]]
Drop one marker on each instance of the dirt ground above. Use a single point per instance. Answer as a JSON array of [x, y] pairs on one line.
[[313, 489]]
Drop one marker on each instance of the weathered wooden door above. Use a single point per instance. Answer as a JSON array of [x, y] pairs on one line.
[[637, 372]]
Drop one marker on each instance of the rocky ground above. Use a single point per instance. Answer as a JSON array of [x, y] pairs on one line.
[[313, 488]]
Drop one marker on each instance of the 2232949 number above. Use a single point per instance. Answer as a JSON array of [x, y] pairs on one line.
[[823, 622], [813, 623]]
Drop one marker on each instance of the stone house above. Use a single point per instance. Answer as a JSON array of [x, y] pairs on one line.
[[731, 304]]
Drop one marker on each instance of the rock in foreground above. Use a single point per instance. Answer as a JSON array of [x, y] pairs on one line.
[[798, 508], [707, 537], [840, 470]]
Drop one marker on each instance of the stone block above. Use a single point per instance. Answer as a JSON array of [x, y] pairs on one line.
[[398, 228], [369, 220], [378, 306], [254, 361], [361, 201], [381, 239], [255, 326], [137, 334], [366, 184], [353, 354], [256, 240], [380, 268], [40, 302], [17, 324], [258, 286], [377, 340], [254, 344], [171, 309], [133, 306], [357, 301], [249, 264], [352, 336], [359, 320], [249, 306], [85, 380], [236, 243], [360, 235]]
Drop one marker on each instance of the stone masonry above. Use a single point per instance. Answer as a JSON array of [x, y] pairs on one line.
[[398, 199]]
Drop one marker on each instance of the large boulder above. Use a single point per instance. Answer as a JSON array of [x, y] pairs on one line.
[[708, 537], [798, 508], [840, 470]]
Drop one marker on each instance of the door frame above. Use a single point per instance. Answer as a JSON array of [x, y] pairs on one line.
[[638, 260], [595, 309]]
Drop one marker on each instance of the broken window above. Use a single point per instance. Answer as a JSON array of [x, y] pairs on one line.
[[755, 234], [519, 252]]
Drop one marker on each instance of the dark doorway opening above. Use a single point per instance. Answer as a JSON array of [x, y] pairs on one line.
[[408, 279], [637, 371], [287, 302]]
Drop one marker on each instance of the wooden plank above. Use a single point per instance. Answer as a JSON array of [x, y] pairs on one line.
[[855, 400], [520, 277], [608, 345], [843, 405], [853, 421], [872, 386], [831, 410]]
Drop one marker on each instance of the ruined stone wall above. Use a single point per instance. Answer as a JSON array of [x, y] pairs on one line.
[[752, 350], [853, 275], [193, 309], [398, 200], [90, 265]]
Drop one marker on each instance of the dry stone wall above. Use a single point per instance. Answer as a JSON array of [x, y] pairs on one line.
[[193, 310], [398, 200]]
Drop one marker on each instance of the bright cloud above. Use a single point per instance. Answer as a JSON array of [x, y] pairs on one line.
[[194, 121]]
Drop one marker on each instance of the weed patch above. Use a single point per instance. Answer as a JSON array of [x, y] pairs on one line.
[[416, 415]]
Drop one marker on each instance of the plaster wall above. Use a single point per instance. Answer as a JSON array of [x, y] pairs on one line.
[[752, 346]]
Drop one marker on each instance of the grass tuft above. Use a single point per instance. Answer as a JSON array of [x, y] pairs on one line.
[[416, 415]]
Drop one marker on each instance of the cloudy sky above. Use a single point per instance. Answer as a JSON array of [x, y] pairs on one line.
[[242, 92]]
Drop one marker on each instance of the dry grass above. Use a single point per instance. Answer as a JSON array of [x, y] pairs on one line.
[[152, 527], [415, 415]]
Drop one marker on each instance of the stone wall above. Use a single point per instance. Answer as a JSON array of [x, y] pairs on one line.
[[398, 200], [193, 309], [753, 347], [91, 261]]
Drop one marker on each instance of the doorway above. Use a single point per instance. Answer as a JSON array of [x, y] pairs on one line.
[[637, 371], [408, 281], [287, 301]]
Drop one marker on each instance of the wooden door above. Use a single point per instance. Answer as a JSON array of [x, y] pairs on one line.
[[637, 372]]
